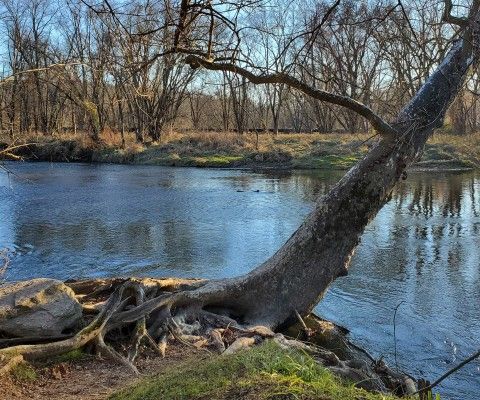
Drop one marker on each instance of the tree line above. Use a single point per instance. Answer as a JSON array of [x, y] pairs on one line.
[[72, 67]]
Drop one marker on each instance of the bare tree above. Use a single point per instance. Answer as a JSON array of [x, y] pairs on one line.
[[197, 102], [296, 277], [225, 102], [238, 91], [298, 274], [416, 27]]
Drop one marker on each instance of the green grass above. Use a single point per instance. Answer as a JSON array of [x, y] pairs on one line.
[[71, 356], [332, 161], [215, 160], [24, 372], [263, 372]]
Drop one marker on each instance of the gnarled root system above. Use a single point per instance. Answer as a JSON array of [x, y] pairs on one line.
[[122, 314]]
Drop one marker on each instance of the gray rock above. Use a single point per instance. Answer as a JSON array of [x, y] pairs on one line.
[[38, 307]]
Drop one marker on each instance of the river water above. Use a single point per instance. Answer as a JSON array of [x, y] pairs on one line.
[[421, 253]]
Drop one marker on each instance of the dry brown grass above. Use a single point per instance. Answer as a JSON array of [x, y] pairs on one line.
[[215, 141], [470, 140], [302, 150], [464, 150], [296, 144]]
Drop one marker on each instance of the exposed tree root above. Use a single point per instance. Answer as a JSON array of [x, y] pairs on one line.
[[8, 363], [82, 338], [124, 313]]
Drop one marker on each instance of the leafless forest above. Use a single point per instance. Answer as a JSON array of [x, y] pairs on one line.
[[87, 68]]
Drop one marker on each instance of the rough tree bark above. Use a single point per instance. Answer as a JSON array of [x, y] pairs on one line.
[[295, 278]]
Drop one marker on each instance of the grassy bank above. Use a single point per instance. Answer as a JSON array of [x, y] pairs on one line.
[[209, 149], [263, 372]]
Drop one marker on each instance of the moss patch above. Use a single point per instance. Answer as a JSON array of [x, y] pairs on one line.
[[215, 161], [24, 372], [331, 161], [263, 372], [71, 356]]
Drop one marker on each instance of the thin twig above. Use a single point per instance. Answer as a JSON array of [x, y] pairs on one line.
[[395, 332], [5, 261], [300, 319], [450, 372]]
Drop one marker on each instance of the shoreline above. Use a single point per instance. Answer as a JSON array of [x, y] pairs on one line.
[[247, 167], [445, 152], [322, 346]]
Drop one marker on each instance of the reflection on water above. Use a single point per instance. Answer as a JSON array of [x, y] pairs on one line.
[[422, 251], [72, 220]]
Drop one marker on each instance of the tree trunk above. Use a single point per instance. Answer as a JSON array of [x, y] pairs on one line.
[[299, 273]]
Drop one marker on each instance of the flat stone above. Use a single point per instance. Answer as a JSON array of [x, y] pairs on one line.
[[38, 307]]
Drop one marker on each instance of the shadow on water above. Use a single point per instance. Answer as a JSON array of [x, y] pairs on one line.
[[423, 248]]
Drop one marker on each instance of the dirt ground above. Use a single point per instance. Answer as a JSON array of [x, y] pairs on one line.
[[89, 378]]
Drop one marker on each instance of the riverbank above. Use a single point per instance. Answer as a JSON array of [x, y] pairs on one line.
[[265, 372], [53, 356], [262, 372], [188, 372], [230, 150]]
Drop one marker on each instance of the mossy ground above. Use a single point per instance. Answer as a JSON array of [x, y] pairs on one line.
[[263, 372], [24, 372], [218, 149], [71, 356]]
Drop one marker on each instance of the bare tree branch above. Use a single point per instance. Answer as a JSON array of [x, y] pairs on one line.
[[451, 19], [380, 125]]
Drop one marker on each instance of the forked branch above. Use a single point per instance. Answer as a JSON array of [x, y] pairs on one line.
[[451, 19]]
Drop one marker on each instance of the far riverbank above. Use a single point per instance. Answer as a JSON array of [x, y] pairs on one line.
[[230, 150]]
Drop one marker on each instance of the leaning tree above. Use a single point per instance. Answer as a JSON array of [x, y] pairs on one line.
[[295, 278]]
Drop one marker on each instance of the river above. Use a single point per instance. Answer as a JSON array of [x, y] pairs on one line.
[[421, 253]]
